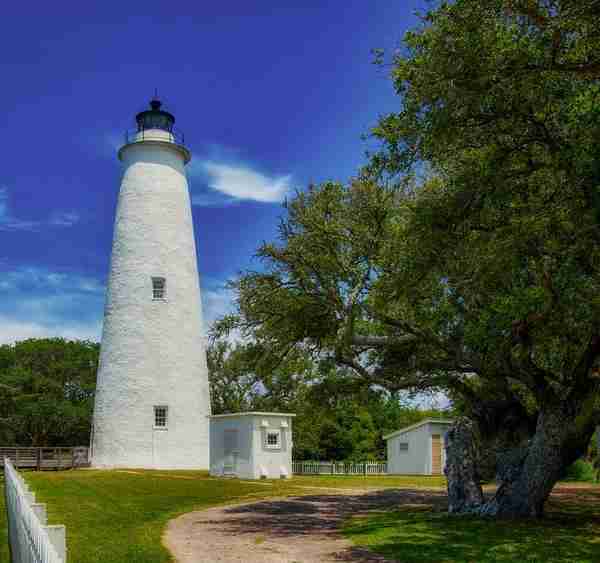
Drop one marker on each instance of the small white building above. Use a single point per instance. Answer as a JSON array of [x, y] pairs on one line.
[[418, 449], [251, 445]]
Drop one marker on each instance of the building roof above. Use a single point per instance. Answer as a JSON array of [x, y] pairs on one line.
[[250, 413], [417, 425]]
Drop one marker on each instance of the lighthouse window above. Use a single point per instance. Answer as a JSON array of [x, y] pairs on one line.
[[160, 416], [159, 288]]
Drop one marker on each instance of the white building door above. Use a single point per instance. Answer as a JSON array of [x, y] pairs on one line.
[[231, 450]]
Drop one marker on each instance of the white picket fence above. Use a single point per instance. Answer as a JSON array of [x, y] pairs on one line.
[[339, 468], [29, 538]]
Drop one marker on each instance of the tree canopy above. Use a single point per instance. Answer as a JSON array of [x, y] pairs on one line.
[[336, 418], [47, 392], [465, 256]]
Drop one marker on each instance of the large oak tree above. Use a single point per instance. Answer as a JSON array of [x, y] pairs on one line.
[[465, 258]]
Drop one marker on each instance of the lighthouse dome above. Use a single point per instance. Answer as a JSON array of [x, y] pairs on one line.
[[155, 118], [156, 125]]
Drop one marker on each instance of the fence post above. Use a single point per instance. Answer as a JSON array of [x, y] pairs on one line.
[[41, 512], [58, 538], [30, 540]]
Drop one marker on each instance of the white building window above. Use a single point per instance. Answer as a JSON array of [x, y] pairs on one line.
[[159, 288], [161, 416], [273, 439], [403, 446]]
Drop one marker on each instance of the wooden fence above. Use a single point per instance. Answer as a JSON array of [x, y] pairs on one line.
[[339, 468], [46, 458]]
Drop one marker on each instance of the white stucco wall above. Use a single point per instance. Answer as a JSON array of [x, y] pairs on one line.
[[242, 459], [417, 459], [152, 351], [254, 460]]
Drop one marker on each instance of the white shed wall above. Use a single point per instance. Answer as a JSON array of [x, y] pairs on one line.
[[253, 460], [417, 460], [242, 460], [414, 461], [270, 463]]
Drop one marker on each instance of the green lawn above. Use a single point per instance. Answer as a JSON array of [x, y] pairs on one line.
[[569, 533], [118, 517]]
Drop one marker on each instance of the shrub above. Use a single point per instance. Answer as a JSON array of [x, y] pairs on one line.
[[580, 470]]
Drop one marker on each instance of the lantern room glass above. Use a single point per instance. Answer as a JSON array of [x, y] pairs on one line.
[[155, 118]]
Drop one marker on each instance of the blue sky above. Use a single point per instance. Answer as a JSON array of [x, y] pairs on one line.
[[270, 95]]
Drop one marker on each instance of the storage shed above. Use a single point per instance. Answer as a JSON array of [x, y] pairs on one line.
[[418, 449], [251, 445]]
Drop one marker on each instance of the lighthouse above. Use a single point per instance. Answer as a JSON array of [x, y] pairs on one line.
[[152, 397]]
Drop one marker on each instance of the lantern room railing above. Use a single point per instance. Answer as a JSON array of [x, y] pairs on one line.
[[137, 135]]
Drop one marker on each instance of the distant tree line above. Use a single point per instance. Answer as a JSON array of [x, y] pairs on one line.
[[338, 418], [47, 398], [47, 392]]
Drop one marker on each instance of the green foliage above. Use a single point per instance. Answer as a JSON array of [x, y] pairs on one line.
[[581, 470], [337, 419], [47, 392], [465, 257]]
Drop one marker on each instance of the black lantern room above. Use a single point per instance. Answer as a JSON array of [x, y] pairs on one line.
[[155, 118]]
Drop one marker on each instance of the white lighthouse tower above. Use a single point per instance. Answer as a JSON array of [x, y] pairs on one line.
[[152, 396]]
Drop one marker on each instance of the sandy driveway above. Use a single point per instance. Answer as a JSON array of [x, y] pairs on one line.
[[301, 529]]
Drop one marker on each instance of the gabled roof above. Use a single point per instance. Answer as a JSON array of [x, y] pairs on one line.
[[417, 425]]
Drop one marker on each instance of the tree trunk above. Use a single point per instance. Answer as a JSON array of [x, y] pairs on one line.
[[597, 453], [525, 474], [464, 487]]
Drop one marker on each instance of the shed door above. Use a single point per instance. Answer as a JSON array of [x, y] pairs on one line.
[[436, 454], [230, 450]]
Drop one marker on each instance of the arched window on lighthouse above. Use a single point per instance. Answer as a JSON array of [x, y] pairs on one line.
[[159, 288]]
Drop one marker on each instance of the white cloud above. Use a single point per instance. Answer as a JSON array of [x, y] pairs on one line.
[[3, 203], [64, 219], [36, 303], [13, 330], [217, 303], [9, 222], [241, 182], [212, 200], [34, 278]]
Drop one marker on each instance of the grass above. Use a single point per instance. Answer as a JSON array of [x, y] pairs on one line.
[[119, 517], [569, 533], [371, 482]]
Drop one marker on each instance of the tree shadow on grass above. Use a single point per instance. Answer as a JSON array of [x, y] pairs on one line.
[[314, 514], [407, 536]]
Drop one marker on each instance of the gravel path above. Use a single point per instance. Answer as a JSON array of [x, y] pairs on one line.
[[302, 529]]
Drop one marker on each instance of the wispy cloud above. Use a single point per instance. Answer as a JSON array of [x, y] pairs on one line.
[[240, 182], [218, 301], [9, 222], [64, 219], [36, 303], [13, 330]]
